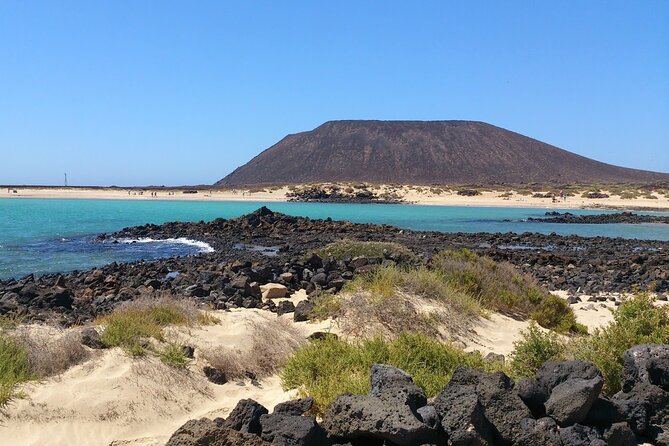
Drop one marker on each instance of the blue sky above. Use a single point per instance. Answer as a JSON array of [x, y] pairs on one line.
[[147, 92]]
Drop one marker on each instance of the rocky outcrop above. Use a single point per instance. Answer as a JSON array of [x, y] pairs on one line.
[[232, 276], [475, 408], [619, 217]]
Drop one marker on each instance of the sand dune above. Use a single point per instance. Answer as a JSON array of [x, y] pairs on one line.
[[114, 399]]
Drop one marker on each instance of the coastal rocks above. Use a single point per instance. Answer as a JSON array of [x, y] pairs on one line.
[[368, 418], [205, 432], [291, 430], [474, 408], [618, 217], [214, 375], [571, 400], [245, 417], [273, 291], [231, 278], [91, 338]]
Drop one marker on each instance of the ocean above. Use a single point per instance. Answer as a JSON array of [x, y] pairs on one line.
[[57, 235]]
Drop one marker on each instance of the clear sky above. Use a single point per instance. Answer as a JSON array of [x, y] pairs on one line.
[[168, 93]]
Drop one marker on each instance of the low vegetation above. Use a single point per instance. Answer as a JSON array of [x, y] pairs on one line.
[[326, 368], [636, 321], [535, 348], [270, 345], [351, 248], [28, 353], [499, 287], [130, 326], [14, 367]]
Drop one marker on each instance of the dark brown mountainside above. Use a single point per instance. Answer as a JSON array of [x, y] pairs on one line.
[[423, 152]]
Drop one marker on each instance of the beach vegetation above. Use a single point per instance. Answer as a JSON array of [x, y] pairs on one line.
[[324, 369], [271, 343], [347, 248], [131, 325], [14, 367], [636, 321], [535, 347]]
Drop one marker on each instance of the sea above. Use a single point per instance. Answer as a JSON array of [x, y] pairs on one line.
[[39, 236]]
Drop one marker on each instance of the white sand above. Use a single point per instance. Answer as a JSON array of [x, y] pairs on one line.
[[411, 194], [114, 399], [137, 401]]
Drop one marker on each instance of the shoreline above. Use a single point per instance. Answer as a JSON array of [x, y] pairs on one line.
[[409, 195]]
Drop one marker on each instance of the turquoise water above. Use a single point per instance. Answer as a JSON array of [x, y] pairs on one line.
[[49, 235]]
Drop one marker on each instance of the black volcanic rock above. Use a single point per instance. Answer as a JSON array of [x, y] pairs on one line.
[[422, 152]]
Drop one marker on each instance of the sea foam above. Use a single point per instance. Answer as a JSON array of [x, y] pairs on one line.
[[203, 246]]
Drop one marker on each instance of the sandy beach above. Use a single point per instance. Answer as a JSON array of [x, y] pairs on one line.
[[410, 194], [115, 399]]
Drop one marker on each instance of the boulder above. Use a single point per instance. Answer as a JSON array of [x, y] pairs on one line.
[[303, 311], [285, 306], [91, 338], [462, 416], [645, 364], [543, 431], [215, 375], [503, 407], [291, 430], [620, 434], [205, 432], [536, 392], [294, 407], [273, 291], [579, 435], [370, 418], [245, 417], [396, 387], [571, 400]]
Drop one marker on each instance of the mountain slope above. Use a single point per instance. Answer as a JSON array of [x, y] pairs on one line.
[[422, 152]]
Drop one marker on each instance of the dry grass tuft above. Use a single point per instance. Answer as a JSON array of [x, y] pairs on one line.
[[51, 352], [272, 342]]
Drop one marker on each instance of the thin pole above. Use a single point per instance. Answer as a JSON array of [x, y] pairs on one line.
[[65, 179]]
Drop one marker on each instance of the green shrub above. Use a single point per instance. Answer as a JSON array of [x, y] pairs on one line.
[[499, 287], [352, 248], [535, 348], [173, 355], [636, 321], [127, 326], [384, 282], [327, 368], [14, 367]]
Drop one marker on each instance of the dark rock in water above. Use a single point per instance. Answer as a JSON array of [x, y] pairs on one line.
[[362, 417], [571, 400], [285, 306], [205, 432], [291, 430], [579, 435], [303, 311], [245, 417], [295, 407], [396, 387], [214, 375], [543, 431], [91, 338]]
